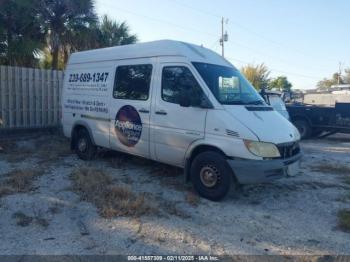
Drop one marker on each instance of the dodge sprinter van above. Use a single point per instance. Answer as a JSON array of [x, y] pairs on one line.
[[179, 104]]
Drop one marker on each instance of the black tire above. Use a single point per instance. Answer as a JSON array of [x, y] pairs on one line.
[[304, 128], [204, 169], [84, 148]]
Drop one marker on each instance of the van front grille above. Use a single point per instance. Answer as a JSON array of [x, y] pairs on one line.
[[288, 150]]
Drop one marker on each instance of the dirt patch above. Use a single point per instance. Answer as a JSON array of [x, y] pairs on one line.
[[120, 160], [192, 198], [166, 171], [46, 148], [56, 208], [344, 220], [115, 159], [171, 208], [5, 190], [6, 146], [332, 168], [347, 180], [19, 181], [24, 220], [94, 185]]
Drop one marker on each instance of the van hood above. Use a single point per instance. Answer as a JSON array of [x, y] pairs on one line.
[[267, 125]]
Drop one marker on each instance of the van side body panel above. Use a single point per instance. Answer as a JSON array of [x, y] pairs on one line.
[[86, 100]]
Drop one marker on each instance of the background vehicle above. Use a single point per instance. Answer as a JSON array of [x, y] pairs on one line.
[[274, 99], [314, 120]]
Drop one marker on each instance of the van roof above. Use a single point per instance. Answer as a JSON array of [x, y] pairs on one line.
[[150, 49]]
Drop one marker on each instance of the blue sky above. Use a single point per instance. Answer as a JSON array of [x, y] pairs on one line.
[[304, 40]]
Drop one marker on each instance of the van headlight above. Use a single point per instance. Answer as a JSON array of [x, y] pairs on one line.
[[262, 149]]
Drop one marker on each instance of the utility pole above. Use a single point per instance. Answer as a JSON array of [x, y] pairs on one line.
[[339, 73], [224, 37]]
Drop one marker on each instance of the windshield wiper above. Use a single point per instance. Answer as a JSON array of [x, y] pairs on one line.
[[257, 102]]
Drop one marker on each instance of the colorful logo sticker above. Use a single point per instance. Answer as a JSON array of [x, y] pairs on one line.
[[128, 126]]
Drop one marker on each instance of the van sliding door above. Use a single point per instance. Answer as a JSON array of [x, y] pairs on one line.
[[130, 107]]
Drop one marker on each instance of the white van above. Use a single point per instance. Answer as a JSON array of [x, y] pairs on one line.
[[179, 104]]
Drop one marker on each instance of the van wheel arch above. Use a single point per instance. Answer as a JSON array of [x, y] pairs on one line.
[[75, 132], [196, 151]]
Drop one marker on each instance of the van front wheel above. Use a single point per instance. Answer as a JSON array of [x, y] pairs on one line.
[[211, 176], [84, 148]]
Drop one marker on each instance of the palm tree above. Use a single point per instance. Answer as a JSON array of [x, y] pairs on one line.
[[62, 19], [21, 36], [257, 75], [112, 33], [105, 33]]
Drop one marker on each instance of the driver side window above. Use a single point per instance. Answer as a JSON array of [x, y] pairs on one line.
[[178, 81]]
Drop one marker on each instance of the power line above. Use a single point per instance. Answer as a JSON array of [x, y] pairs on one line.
[[246, 29], [198, 31], [163, 21], [202, 32], [276, 70], [196, 9], [235, 42]]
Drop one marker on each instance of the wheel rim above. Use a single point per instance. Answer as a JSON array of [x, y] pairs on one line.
[[82, 145], [209, 175]]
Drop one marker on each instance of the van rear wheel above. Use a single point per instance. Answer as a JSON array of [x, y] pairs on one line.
[[211, 176], [84, 148]]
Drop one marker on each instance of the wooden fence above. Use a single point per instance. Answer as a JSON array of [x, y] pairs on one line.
[[29, 98]]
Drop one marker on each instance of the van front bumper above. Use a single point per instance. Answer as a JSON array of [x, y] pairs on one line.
[[261, 171]]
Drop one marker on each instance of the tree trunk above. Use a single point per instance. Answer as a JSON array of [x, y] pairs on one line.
[[9, 54], [54, 63], [65, 56]]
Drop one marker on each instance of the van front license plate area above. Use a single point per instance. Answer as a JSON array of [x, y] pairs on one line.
[[293, 169]]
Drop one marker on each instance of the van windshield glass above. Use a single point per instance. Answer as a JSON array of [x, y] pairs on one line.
[[228, 85]]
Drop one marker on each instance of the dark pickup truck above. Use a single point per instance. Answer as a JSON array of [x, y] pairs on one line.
[[316, 120]]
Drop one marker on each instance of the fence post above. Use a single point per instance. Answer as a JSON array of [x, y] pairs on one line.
[[4, 97], [37, 87], [31, 97], [17, 78]]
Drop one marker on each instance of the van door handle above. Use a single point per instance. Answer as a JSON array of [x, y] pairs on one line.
[[161, 112], [143, 110]]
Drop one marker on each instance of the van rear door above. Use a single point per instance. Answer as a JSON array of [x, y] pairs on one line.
[[130, 108]]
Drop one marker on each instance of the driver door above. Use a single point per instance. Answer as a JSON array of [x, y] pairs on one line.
[[176, 127]]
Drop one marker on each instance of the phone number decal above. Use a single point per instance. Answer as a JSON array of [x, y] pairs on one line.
[[88, 77]]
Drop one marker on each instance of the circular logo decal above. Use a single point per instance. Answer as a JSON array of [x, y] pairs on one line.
[[128, 126]]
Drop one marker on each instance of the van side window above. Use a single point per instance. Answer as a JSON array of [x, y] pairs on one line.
[[177, 79], [132, 82]]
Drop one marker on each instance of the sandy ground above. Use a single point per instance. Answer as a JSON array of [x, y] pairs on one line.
[[290, 216]]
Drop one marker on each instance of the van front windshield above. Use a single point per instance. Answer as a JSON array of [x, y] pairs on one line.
[[228, 85]]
